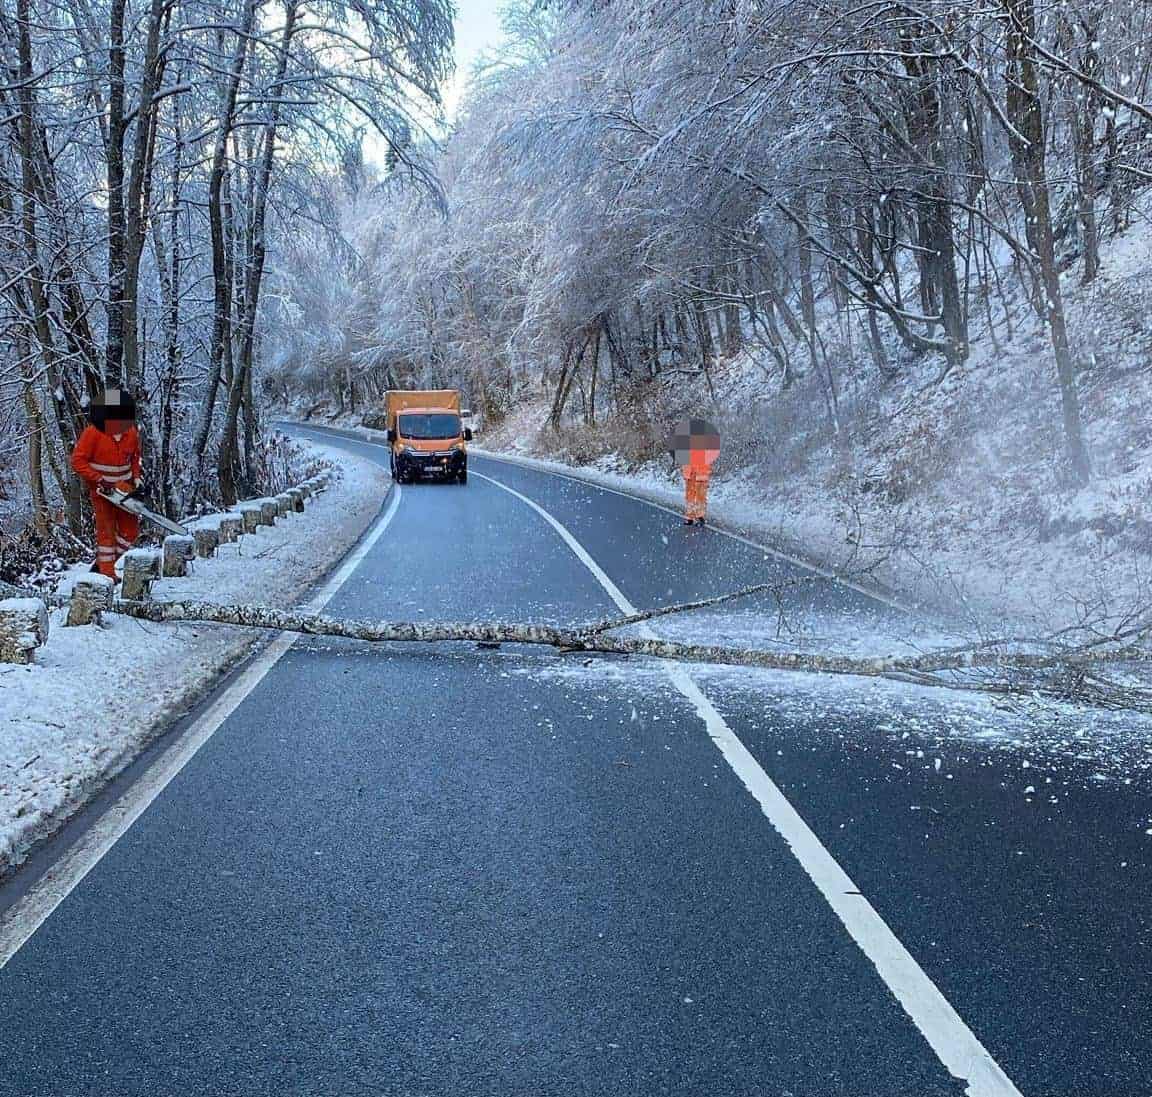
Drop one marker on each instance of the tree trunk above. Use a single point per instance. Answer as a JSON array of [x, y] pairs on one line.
[[135, 208], [241, 383], [1027, 143], [1084, 109], [808, 310], [35, 422], [595, 377], [940, 287], [221, 279], [927, 669], [117, 274]]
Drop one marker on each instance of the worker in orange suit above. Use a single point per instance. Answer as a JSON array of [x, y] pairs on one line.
[[107, 458], [695, 446]]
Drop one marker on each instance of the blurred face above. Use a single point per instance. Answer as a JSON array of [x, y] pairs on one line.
[[117, 427], [695, 442]]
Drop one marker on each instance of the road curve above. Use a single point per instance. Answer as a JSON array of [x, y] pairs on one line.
[[400, 871]]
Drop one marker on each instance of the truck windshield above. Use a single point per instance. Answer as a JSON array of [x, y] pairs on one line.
[[427, 427]]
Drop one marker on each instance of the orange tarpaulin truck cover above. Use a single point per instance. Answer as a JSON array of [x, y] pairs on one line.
[[398, 400]]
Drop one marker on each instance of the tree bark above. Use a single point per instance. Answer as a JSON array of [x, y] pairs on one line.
[[135, 205], [923, 669], [117, 273]]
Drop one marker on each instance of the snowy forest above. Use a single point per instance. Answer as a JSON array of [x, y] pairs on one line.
[[897, 251], [157, 157]]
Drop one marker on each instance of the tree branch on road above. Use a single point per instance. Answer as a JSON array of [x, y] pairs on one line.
[[1072, 674], [776, 589]]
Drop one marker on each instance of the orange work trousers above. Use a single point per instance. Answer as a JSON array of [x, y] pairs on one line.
[[116, 533], [695, 495]]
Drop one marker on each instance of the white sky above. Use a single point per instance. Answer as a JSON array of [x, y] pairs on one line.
[[477, 30]]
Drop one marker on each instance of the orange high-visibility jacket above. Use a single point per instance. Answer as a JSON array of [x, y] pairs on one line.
[[101, 460]]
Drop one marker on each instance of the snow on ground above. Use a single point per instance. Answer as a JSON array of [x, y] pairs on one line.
[[98, 695], [915, 723]]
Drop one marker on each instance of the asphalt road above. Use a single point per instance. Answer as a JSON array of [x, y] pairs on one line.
[[445, 871]]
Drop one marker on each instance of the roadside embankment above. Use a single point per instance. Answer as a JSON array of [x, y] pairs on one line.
[[98, 694]]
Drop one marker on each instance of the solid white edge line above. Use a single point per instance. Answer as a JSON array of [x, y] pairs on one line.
[[30, 912], [955, 1044]]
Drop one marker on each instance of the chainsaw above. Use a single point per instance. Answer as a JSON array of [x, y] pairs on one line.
[[135, 503]]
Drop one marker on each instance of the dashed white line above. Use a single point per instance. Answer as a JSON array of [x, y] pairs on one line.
[[955, 1044]]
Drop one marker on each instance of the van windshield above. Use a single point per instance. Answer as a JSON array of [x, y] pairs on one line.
[[427, 427]]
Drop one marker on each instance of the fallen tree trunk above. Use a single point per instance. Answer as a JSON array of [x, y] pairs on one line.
[[592, 640]]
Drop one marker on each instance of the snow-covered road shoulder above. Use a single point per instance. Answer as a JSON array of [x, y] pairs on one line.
[[97, 696]]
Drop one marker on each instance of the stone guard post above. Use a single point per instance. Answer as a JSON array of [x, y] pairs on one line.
[[23, 628], [91, 596]]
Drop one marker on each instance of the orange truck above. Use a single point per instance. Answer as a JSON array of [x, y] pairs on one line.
[[427, 435]]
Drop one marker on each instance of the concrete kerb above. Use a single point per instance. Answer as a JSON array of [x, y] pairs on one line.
[[141, 567], [205, 532], [230, 527], [207, 541], [253, 515], [208, 533], [206, 521], [24, 622]]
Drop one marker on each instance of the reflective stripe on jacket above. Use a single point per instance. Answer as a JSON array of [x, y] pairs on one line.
[[100, 459]]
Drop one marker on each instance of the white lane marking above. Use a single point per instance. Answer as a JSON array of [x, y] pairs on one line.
[[954, 1043], [795, 561], [30, 912]]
